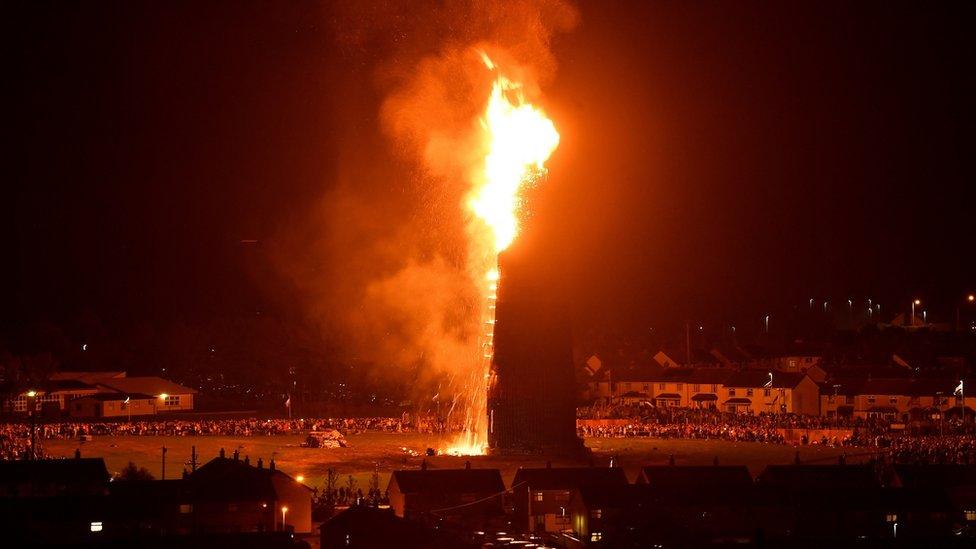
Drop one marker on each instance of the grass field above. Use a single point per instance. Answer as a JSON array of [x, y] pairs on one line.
[[384, 452]]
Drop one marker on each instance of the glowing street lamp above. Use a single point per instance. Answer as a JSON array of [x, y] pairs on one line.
[[283, 511], [766, 322], [914, 303]]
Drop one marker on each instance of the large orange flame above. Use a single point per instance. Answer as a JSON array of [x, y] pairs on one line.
[[518, 139]]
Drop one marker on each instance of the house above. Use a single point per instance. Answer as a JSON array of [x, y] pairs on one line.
[[670, 479], [837, 397], [361, 527], [957, 481], [100, 405], [541, 495], [901, 399], [48, 478], [416, 493], [755, 391], [231, 495], [173, 396], [704, 385]]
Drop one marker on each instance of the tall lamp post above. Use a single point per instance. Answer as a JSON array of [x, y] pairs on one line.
[[970, 299], [32, 410], [283, 511], [914, 303]]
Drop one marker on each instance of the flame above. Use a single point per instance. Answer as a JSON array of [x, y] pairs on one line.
[[518, 138]]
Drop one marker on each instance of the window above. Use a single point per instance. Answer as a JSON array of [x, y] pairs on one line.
[[695, 387], [849, 399], [830, 399], [596, 536], [646, 387], [767, 392], [714, 388], [748, 392], [627, 386], [172, 400], [96, 527], [871, 399], [679, 386], [970, 515], [731, 392], [661, 386], [596, 513], [891, 517], [893, 400], [538, 496], [186, 508]]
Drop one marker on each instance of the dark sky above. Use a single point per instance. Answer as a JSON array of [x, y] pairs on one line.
[[719, 159]]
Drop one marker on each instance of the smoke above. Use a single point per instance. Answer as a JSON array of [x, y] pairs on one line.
[[385, 261]]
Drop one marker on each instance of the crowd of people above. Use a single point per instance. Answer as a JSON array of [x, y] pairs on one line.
[[638, 421]]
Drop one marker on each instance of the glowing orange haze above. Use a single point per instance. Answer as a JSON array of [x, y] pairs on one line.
[[518, 139]]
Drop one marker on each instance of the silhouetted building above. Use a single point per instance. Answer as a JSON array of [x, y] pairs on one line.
[[541, 495], [532, 394], [478, 492]]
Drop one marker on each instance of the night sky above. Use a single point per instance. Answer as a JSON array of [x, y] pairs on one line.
[[719, 160]]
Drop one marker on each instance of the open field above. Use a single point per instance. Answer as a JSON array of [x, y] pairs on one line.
[[384, 452]]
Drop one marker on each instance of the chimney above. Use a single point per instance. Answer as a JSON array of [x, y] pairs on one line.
[[271, 466], [247, 460], [260, 463], [467, 465], [221, 452]]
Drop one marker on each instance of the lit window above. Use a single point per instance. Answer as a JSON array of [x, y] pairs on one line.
[[96, 527], [596, 513], [891, 517], [970, 515], [186, 508], [172, 400], [596, 536], [538, 496]]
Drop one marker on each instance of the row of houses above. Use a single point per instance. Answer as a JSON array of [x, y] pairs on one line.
[[811, 392], [103, 394], [76, 502], [694, 505], [742, 391]]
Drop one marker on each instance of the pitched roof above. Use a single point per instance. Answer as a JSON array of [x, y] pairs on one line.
[[709, 376], [668, 396], [229, 479], [560, 478], [694, 477], [86, 377], [759, 378], [936, 476], [149, 385], [483, 481], [58, 471], [819, 477], [104, 397]]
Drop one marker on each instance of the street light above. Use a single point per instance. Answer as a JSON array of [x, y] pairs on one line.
[[283, 511], [914, 303]]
